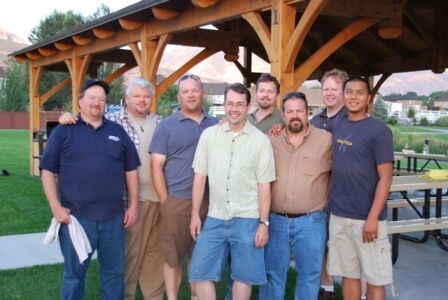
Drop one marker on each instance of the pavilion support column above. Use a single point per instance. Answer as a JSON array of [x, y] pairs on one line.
[[35, 77], [77, 67], [282, 26]]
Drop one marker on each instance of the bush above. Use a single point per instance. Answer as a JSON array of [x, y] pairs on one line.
[[424, 122], [392, 120], [441, 122]]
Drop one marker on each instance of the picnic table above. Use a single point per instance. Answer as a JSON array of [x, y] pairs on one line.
[[430, 225], [412, 159]]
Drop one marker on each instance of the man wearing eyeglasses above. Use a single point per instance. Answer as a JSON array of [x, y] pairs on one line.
[[297, 222], [172, 150], [267, 114], [237, 159]]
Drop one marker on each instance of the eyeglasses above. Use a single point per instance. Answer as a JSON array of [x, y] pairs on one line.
[[190, 76], [290, 95], [238, 105]]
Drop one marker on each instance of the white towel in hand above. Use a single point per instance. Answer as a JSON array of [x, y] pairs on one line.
[[78, 237]]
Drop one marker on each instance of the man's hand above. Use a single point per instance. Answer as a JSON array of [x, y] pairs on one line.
[[262, 236], [370, 231], [62, 215], [67, 118], [130, 216], [195, 226], [275, 130]]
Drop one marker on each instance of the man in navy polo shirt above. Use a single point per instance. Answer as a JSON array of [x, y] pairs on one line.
[[93, 160]]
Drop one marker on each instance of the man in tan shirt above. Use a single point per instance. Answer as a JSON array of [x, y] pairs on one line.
[[298, 220]]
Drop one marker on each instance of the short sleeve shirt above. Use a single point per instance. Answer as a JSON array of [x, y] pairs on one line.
[[235, 164], [359, 147], [322, 121], [91, 165], [176, 137], [266, 124]]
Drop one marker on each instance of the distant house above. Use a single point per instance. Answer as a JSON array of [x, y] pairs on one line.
[[442, 102], [406, 101]]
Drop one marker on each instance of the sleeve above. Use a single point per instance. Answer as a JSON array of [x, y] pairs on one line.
[[132, 160], [51, 156], [159, 142], [383, 148], [200, 161], [266, 167]]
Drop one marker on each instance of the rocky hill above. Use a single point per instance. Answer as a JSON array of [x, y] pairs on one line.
[[9, 42]]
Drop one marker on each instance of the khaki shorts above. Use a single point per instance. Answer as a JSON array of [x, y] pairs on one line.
[[350, 257], [175, 227]]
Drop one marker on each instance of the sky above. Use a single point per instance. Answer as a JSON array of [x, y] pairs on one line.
[[21, 16]]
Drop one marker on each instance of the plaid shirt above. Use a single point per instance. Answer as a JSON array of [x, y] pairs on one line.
[[121, 117]]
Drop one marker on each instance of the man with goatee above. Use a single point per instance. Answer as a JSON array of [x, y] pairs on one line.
[[297, 221]]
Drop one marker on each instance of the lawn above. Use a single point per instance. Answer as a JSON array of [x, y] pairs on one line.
[[24, 207]]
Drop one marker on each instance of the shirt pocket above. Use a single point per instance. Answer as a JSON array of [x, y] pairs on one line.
[[115, 150], [313, 166]]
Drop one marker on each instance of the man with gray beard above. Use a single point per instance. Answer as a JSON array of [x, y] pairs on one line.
[[297, 219]]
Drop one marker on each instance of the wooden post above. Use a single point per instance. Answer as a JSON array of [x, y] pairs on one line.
[[35, 76]]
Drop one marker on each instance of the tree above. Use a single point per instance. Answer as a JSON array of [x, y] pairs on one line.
[[411, 113], [14, 88], [441, 122], [424, 122], [167, 101], [380, 110]]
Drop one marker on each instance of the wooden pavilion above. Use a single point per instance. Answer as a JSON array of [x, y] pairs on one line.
[[299, 39]]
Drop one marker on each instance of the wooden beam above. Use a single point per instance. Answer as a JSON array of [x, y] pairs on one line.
[[82, 40], [33, 55], [312, 11], [129, 24], [164, 13], [353, 29], [45, 51], [204, 3], [158, 53], [63, 46], [45, 97], [118, 72], [137, 53], [103, 33], [35, 76], [378, 85], [261, 29], [163, 86]]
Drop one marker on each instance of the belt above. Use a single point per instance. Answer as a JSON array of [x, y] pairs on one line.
[[291, 216]]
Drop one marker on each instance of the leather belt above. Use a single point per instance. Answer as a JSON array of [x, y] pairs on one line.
[[291, 216]]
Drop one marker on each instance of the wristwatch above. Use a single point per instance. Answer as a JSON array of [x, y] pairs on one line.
[[264, 222]]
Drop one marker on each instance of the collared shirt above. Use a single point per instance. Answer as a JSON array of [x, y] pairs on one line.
[[121, 117], [322, 121], [141, 139], [303, 172], [275, 117], [235, 164], [91, 165], [176, 137]]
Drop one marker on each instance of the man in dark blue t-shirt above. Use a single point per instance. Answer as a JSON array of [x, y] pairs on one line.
[[93, 161], [361, 179]]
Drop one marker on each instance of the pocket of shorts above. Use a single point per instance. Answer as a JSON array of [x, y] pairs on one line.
[[115, 149], [383, 256]]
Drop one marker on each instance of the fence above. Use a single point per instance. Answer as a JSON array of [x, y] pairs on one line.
[[21, 120]]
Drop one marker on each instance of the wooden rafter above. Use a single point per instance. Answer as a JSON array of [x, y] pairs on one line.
[[103, 33], [63, 46], [129, 24], [47, 51], [256, 21], [171, 79], [136, 52], [82, 40], [117, 73], [378, 85], [45, 97], [353, 29], [164, 13], [204, 3]]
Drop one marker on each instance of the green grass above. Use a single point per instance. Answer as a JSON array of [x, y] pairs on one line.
[[24, 207], [406, 135]]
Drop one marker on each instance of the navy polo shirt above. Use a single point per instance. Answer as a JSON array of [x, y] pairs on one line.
[[322, 121], [176, 137], [91, 165]]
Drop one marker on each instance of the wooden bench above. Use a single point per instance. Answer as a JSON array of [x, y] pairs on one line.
[[413, 225], [401, 203]]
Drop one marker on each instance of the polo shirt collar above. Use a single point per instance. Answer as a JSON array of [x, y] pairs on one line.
[[104, 121], [180, 116], [247, 129]]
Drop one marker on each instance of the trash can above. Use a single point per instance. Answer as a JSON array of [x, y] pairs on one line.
[[39, 140]]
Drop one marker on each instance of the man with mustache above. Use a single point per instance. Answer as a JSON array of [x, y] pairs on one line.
[[297, 221], [267, 114]]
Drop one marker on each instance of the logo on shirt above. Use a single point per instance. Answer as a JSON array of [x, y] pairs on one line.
[[114, 138], [344, 143]]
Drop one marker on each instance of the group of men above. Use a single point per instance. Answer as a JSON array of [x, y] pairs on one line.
[[224, 192]]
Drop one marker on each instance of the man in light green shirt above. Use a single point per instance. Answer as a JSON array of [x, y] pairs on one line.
[[238, 160]]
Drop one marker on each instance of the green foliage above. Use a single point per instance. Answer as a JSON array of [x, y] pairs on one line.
[[392, 120], [380, 110], [14, 88], [101, 11], [424, 122], [167, 101], [116, 92], [441, 122], [414, 136], [411, 113]]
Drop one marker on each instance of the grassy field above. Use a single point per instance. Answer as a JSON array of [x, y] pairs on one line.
[[414, 137], [24, 208]]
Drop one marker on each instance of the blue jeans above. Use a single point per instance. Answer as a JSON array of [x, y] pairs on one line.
[[304, 238], [217, 239], [108, 238]]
